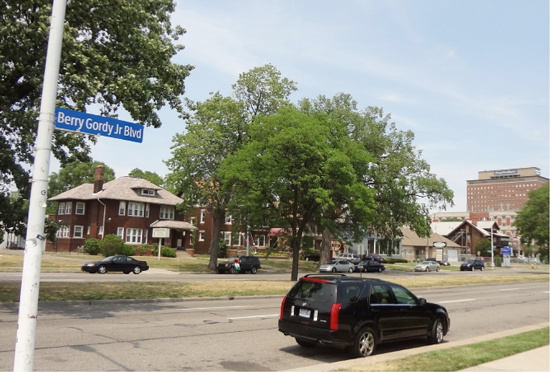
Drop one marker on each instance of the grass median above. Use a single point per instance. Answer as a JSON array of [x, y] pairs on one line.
[[457, 358]]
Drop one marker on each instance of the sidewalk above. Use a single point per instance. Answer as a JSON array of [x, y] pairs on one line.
[[532, 360]]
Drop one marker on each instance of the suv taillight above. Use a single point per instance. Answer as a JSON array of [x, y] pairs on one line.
[[334, 314], [282, 307]]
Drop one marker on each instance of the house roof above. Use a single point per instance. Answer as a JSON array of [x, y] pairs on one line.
[[123, 188], [444, 228], [410, 238]]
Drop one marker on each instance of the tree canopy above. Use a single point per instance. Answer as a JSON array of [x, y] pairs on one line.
[[532, 221], [147, 175], [115, 54]]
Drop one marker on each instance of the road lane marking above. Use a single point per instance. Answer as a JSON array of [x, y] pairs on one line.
[[254, 316], [508, 289], [212, 308], [448, 302]]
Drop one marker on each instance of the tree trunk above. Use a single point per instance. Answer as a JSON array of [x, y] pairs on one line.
[[326, 247], [295, 258], [219, 219]]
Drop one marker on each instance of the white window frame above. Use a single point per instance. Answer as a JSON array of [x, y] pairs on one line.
[[203, 216], [122, 208], [63, 232], [134, 236], [228, 220], [147, 210], [78, 231], [61, 208], [257, 241], [227, 237], [78, 210], [192, 220], [120, 232], [201, 236], [68, 208], [148, 192], [167, 212], [136, 209]]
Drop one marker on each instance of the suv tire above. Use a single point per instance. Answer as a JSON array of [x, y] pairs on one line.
[[253, 270], [436, 335], [232, 270], [304, 343], [365, 343], [481, 268]]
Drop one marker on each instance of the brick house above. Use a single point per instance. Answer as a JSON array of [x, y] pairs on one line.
[[128, 207]]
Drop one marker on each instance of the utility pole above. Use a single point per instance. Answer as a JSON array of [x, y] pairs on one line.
[[35, 240]]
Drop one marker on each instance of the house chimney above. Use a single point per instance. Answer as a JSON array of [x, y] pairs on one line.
[[98, 178]]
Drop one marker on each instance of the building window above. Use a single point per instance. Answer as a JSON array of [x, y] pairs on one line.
[[63, 232], [80, 207], [78, 230], [122, 209], [167, 212], [100, 230], [201, 236], [136, 209], [133, 236], [120, 232], [148, 192], [147, 210], [192, 221], [69, 208], [61, 208], [203, 215], [227, 237], [228, 220], [260, 241]]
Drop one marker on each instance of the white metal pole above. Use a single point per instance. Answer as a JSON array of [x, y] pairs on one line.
[[492, 259], [35, 241], [160, 247]]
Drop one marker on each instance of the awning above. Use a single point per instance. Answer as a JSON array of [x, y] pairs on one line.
[[170, 224], [278, 231]]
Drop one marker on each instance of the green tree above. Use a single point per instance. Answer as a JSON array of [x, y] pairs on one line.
[[215, 130], [482, 246], [532, 221], [149, 176], [74, 174], [295, 169], [116, 54]]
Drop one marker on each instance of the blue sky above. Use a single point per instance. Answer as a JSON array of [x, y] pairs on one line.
[[469, 78]]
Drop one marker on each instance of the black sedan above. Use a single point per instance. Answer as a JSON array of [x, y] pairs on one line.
[[115, 263], [471, 265], [370, 265]]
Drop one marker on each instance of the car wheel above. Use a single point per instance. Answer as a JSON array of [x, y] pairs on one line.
[[333, 269], [137, 270], [437, 269], [427, 269], [365, 343], [350, 270], [304, 343], [253, 270], [436, 335], [232, 270], [126, 272], [482, 268], [102, 269], [379, 269]]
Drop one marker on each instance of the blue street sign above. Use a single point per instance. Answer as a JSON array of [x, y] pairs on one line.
[[76, 121], [505, 250]]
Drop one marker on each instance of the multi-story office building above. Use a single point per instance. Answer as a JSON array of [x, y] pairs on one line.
[[502, 190]]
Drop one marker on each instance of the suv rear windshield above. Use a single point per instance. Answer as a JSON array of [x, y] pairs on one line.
[[314, 291]]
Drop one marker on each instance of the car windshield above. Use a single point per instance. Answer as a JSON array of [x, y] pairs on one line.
[[108, 258], [469, 261], [425, 263]]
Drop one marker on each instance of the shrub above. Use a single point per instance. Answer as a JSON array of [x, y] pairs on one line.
[[307, 252], [111, 245], [91, 246], [128, 250], [222, 252], [167, 252], [391, 260], [498, 261], [142, 249], [155, 249]]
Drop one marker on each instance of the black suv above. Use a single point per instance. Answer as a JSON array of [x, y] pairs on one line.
[[471, 265], [344, 311], [247, 263]]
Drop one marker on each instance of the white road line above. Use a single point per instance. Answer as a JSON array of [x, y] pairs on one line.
[[448, 302], [213, 308], [508, 289], [254, 316]]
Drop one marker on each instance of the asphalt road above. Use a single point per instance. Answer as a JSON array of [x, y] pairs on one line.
[[233, 335]]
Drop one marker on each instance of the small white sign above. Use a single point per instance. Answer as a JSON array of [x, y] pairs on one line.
[[440, 244], [161, 232]]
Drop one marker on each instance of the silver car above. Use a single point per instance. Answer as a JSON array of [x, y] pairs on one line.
[[338, 266], [427, 266]]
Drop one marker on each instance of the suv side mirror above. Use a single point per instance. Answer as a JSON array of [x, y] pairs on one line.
[[422, 301]]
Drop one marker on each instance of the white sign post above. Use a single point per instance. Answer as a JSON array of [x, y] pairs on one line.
[[160, 232], [35, 241]]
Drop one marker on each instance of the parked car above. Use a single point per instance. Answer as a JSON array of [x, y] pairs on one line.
[[427, 266], [441, 263], [344, 311], [115, 263], [472, 265], [313, 257], [369, 266], [375, 257], [353, 258], [248, 264], [338, 266]]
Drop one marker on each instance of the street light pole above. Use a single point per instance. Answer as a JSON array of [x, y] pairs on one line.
[[492, 255]]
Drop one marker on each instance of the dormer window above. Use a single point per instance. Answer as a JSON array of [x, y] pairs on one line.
[[148, 192]]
